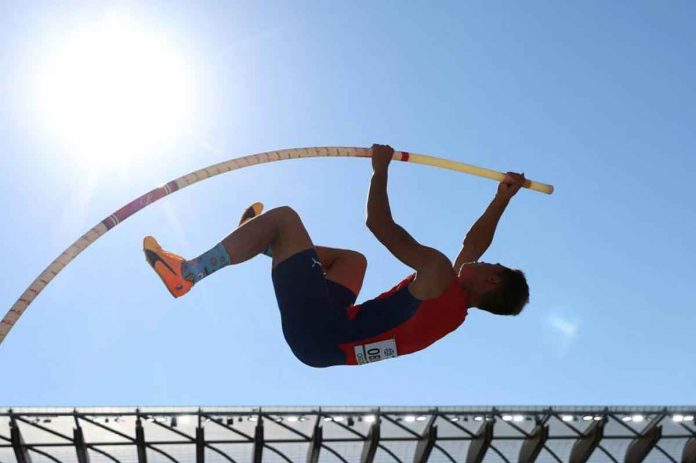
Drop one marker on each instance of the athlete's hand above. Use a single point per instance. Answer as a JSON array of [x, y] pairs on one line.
[[510, 185], [381, 157]]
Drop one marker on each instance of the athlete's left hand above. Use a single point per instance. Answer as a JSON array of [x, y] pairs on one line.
[[381, 157], [510, 185]]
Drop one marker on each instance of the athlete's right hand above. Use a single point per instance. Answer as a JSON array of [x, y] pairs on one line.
[[381, 157], [510, 185]]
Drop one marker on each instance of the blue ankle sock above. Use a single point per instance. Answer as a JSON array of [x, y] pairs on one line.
[[210, 262]]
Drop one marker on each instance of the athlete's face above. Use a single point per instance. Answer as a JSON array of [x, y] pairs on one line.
[[480, 276]]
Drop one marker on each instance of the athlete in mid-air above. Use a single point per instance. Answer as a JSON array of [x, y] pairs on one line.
[[316, 287]]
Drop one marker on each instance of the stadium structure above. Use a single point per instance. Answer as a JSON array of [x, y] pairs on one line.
[[347, 434]]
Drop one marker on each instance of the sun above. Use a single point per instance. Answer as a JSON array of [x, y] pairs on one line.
[[114, 92]]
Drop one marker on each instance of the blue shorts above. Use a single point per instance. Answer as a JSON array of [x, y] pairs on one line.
[[314, 316]]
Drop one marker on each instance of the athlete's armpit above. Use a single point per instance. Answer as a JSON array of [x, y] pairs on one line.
[[433, 280]]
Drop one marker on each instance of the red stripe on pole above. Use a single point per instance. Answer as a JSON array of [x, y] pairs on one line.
[[404, 156], [139, 203]]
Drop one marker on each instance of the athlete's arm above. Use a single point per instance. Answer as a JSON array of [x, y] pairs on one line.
[[480, 236], [433, 267]]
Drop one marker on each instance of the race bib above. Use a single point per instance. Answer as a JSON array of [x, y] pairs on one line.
[[375, 351]]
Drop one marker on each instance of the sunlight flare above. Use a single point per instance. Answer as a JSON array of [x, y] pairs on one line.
[[114, 92]]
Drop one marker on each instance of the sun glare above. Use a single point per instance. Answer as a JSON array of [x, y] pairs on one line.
[[114, 92]]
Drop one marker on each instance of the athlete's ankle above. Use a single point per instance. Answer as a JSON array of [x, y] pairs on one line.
[[209, 262], [187, 273]]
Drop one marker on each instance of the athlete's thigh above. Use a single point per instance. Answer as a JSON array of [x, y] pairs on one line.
[[291, 237]]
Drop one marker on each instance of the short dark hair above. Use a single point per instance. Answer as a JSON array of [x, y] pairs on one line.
[[510, 297]]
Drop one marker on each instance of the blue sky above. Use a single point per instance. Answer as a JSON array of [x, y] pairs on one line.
[[597, 98]]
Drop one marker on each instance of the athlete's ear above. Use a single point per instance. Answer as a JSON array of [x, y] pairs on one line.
[[494, 280]]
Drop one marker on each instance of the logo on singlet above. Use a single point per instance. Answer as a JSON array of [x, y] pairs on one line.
[[376, 351]]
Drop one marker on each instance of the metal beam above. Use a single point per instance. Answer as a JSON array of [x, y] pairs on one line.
[[586, 439], [80, 446], [258, 441], [140, 441], [534, 443], [20, 449], [583, 447], [315, 444], [200, 444], [370, 445], [426, 441], [481, 442], [642, 445], [689, 453]]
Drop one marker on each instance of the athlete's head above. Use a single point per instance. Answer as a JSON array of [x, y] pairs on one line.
[[494, 287]]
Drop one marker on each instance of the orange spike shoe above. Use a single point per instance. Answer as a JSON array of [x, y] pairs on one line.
[[167, 266], [251, 212]]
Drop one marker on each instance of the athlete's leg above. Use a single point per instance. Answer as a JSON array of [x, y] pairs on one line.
[[310, 326], [311, 322], [305, 297], [343, 266]]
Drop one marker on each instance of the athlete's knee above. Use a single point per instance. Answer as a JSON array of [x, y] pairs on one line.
[[285, 214], [359, 259]]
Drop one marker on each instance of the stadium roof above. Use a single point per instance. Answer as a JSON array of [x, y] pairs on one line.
[[347, 434]]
